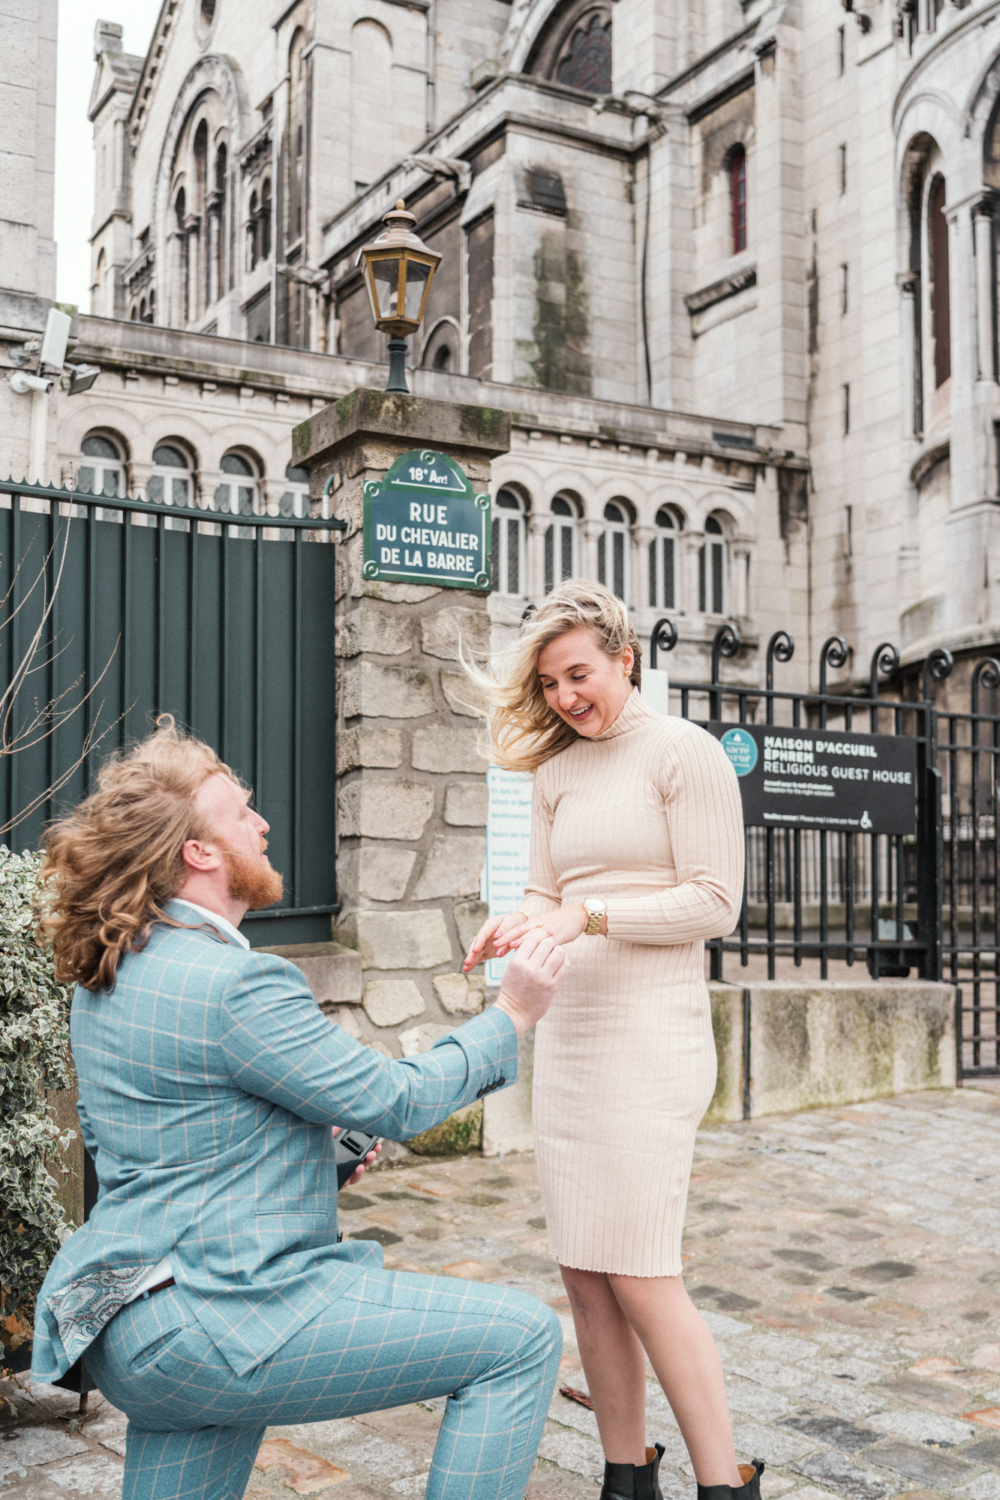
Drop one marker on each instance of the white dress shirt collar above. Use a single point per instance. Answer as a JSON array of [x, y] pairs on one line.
[[226, 928]]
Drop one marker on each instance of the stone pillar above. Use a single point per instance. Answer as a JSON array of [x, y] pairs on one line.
[[411, 777], [908, 283], [985, 281], [642, 538], [538, 523]]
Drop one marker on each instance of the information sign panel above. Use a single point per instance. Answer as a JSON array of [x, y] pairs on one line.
[[508, 835], [823, 778], [424, 523]]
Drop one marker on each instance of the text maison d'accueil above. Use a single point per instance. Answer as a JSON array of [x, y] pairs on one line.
[[791, 756]]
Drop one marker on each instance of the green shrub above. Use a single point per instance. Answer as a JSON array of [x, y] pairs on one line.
[[34, 1054]]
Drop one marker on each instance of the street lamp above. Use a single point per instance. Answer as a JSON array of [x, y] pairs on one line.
[[398, 272]]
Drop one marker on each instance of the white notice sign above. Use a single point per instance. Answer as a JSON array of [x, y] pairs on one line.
[[656, 689], [508, 835]]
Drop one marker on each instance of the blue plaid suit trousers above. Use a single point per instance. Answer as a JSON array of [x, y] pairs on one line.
[[390, 1338]]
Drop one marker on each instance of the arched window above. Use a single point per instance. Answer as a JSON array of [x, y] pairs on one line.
[[252, 233], [295, 498], [560, 543], [663, 561], [575, 47], [134, 314], [183, 257], [237, 495], [200, 250], [508, 543], [103, 473], [296, 133], [937, 240], [265, 220], [738, 196], [441, 347], [171, 481], [612, 550], [712, 580], [218, 208]]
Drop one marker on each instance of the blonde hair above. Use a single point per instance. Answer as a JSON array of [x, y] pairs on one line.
[[112, 863], [525, 731]]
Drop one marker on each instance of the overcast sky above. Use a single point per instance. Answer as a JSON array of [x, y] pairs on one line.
[[74, 136]]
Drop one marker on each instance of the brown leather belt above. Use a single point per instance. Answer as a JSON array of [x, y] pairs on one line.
[[160, 1286]]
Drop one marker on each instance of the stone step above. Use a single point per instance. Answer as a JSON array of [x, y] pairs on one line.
[[332, 970]]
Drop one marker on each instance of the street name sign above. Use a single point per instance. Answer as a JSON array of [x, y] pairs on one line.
[[424, 523], [823, 778]]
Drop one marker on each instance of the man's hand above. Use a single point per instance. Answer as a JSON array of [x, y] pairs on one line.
[[533, 977], [359, 1172]]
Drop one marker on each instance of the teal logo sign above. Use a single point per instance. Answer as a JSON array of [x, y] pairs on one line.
[[424, 523], [741, 749]]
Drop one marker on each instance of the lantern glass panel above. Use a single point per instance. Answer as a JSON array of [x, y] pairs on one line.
[[416, 281], [386, 275]]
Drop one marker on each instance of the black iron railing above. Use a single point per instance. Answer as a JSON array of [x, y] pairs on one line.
[[115, 609], [897, 902]]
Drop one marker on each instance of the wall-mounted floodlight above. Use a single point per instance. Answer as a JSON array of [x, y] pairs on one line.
[[82, 378]]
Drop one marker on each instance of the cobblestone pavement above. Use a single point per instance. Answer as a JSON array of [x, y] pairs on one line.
[[847, 1260]]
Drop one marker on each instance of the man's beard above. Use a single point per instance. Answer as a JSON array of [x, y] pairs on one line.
[[252, 881]]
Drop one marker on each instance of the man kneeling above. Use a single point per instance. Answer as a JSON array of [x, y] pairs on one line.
[[207, 1289]]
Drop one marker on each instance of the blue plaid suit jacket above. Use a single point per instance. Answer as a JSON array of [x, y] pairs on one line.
[[209, 1080]]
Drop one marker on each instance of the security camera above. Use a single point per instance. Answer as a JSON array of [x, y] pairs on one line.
[[22, 383]]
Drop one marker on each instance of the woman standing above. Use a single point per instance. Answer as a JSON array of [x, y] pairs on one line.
[[636, 859]]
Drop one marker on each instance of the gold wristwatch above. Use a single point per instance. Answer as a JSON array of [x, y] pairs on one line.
[[596, 909]]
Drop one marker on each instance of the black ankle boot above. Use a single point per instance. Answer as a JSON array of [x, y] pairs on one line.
[[748, 1490], [634, 1481]]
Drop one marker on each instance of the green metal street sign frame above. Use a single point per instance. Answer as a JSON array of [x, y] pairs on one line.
[[424, 523]]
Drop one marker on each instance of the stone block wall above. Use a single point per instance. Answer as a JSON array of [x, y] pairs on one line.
[[813, 1045], [411, 776]]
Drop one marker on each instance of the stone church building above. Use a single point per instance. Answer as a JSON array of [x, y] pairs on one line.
[[731, 267]]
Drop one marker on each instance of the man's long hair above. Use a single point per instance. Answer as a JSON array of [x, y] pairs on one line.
[[112, 864]]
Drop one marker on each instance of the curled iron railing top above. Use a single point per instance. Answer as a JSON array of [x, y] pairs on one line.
[[835, 653], [780, 648], [663, 637], [726, 643], [937, 666], [985, 673], [885, 660]]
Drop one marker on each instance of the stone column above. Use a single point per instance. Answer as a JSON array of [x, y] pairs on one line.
[[642, 538], [411, 778], [588, 535], [982, 221], [908, 283], [537, 524]]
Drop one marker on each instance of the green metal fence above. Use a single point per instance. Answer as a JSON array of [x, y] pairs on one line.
[[113, 610]]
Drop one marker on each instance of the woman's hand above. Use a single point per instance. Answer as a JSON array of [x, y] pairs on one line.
[[490, 940], [563, 925]]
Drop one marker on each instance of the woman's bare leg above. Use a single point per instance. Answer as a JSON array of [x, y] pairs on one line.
[[614, 1363], [683, 1354]]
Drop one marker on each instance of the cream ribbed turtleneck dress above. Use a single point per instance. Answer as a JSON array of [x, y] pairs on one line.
[[647, 816]]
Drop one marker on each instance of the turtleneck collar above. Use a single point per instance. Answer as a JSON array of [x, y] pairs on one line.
[[634, 714]]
